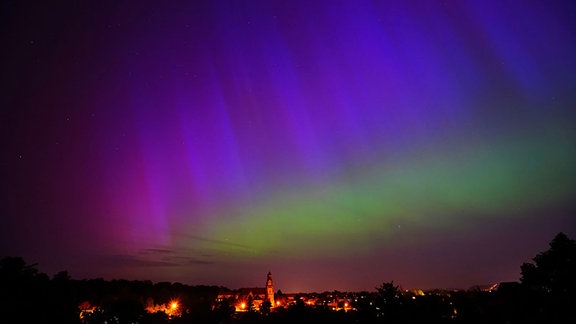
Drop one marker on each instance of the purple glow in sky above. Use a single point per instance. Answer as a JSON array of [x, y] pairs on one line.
[[338, 144]]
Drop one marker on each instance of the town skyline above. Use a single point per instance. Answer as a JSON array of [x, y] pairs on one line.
[[548, 280]]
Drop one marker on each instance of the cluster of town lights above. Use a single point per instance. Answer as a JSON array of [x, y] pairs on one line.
[[171, 308]]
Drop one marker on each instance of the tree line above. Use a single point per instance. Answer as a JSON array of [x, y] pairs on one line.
[[545, 293]]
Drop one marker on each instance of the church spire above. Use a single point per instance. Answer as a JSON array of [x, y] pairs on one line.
[[270, 289]]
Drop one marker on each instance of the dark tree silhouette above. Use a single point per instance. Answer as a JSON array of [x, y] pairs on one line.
[[127, 310], [265, 308], [250, 307], [388, 301], [388, 293], [23, 292], [62, 304], [551, 281], [224, 310], [553, 270]]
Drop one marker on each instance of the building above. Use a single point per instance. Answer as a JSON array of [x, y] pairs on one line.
[[245, 298], [270, 289]]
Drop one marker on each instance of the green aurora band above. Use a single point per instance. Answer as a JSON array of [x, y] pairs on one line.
[[422, 188]]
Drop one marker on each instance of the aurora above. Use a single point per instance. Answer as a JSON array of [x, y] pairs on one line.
[[429, 143]]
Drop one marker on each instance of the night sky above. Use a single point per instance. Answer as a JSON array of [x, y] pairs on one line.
[[337, 144]]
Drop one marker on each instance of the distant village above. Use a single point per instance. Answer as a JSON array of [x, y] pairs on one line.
[[259, 298], [545, 293]]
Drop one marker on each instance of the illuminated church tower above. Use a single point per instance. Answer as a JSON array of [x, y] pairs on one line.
[[270, 289]]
